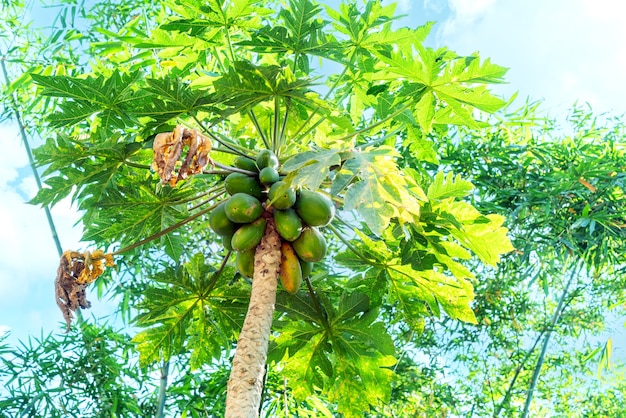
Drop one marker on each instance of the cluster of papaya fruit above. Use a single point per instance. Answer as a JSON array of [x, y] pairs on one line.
[[298, 215]]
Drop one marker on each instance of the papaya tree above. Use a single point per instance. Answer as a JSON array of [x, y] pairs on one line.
[[215, 148]]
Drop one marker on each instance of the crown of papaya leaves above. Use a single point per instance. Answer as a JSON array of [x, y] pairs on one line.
[[168, 148], [76, 271]]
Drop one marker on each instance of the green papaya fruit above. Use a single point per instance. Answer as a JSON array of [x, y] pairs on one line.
[[266, 158], [219, 222], [314, 208], [288, 224], [243, 208], [245, 263], [290, 273], [248, 236], [226, 240], [245, 163], [268, 176], [241, 183], [306, 267], [281, 196], [310, 246]]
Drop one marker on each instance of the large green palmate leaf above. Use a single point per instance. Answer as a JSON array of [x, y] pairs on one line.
[[108, 98], [329, 346], [190, 309]]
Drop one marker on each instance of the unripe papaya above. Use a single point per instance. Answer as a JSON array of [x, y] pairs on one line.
[[243, 208], [241, 183], [311, 245], [306, 267], [281, 196], [246, 163], [219, 222], [245, 263], [314, 208], [266, 158], [288, 224], [268, 176], [226, 241], [248, 236], [290, 272]]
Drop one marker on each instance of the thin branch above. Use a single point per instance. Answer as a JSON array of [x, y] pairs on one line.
[[555, 318], [29, 153], [509, 391], [162, 389]]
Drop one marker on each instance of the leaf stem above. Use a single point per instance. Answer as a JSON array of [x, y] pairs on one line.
[[318, 305], [222, 141], [350, 246], [29, 153], [275, 133], [257, 125], [281, 137], [166, 230], [374, 125], [235, 169], [332, 88], [136, 165], [218, 273]]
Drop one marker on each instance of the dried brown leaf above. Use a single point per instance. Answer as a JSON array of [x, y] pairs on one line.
[[169, 146], [76, 270]]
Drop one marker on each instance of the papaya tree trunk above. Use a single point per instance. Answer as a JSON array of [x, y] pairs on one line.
[[246, 377]]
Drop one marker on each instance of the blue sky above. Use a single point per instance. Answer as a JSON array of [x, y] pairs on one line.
[[558, 51]]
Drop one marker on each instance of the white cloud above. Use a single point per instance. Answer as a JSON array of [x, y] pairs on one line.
[[404, 5], [464, 12]]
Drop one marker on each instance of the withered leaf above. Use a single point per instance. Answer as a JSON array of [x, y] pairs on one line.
[[169, 146], [76, 270]]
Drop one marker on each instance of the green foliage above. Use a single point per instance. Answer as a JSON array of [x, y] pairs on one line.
[[406, 239], [88, 372], [187, 311]]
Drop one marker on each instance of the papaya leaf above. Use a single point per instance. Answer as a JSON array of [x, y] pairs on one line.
[[366, 381], [438, 290], [106, 97], [445, 186], [380, 190], [311, 168], [483, 235], [184, 310]]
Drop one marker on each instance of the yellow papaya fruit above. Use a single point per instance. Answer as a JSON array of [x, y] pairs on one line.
[[290, 271]]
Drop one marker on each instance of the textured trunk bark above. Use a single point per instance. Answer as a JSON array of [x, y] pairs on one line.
[[246, 377]]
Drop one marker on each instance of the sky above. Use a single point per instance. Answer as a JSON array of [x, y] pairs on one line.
[[558, 51]]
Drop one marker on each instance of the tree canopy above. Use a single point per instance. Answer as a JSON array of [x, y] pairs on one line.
[[492, 242]]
